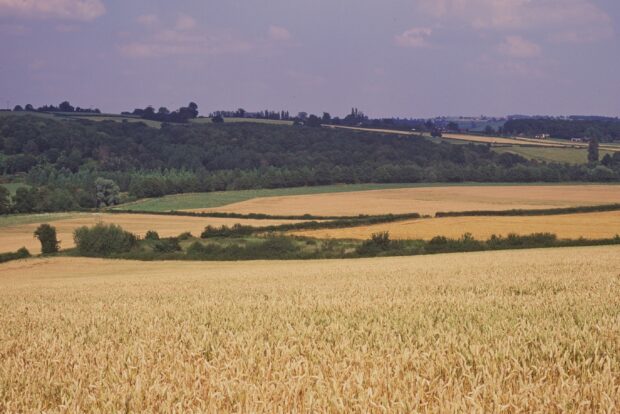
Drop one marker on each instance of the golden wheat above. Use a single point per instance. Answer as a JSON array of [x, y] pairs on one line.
[[514, 331], [429, 200], [567, 226]]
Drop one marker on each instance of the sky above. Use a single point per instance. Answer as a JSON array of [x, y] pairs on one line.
[[406, 58]]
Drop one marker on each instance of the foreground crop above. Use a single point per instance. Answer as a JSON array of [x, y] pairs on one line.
[[532, 330]]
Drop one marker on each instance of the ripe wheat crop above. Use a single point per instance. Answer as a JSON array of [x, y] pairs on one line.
[[510, 331], [566, 226]]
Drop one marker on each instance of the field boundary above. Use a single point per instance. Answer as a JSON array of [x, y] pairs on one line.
[[259, 216], [532, 212], [365, 217]]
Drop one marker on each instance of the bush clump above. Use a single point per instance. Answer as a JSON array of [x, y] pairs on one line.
[[22, 253], [151, 235], [378, 243], [170, 245], [103, 240], [47, 236]]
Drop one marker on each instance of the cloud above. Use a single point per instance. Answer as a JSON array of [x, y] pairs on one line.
[[148, 19], [279, 33], [552, 16], [180, 42], [186, 38], [185, 22], [82, 10], [528, 69], [415, 37], [518, 47]]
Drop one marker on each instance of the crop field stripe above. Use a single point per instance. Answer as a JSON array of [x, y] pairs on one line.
[[221, 198], [599, 225], [427, 200]]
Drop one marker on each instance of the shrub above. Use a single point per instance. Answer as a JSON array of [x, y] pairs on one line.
[[170, 245], [225, 231], [378, 242], [151, 235], [47, 236], [381, 239], [20, 254], [185, 236], [103, 240]]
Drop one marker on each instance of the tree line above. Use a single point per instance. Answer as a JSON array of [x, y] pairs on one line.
[[603, 130], [64, 106], [163, 114]]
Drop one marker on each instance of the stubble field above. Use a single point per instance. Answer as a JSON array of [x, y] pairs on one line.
[[511, 331]]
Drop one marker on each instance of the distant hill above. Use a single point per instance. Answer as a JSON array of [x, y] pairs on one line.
[[65, 157]]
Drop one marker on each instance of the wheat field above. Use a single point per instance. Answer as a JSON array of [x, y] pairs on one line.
[[511, 331], [566, 226], [429, 200], [13, 237]]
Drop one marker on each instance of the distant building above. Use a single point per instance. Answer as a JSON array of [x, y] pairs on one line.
[[543, 136]]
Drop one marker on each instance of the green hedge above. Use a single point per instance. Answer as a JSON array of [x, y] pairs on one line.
[[241, 230], [532, 212]]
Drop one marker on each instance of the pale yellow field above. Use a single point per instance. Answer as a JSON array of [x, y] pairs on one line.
[[15, 237], [567, 226], [490, 139], [512, 331], [509, 141], [429, 200]]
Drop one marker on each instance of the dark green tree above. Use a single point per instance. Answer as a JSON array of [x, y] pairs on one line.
[[5, 201], [26, 200], [453, 127], [593, 154], [47, 236], [107, 192], [66, 107]]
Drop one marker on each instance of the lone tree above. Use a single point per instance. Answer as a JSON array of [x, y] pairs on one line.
[[593, 154], [47, 236], [107, 193]]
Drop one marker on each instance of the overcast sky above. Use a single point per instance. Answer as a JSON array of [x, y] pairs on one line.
[[415, 58]]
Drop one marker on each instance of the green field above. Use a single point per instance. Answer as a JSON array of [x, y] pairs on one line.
[[563, 155], [245, 120], [87, 116], [19, 219], [109, 117]]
